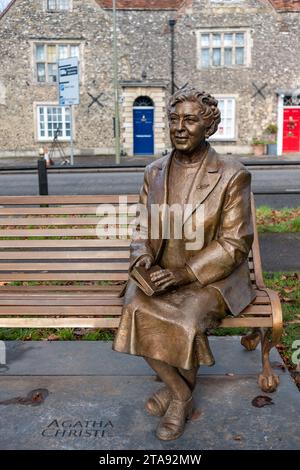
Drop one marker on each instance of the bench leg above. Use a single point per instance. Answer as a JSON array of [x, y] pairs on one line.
[[267, 380], [251, 340]]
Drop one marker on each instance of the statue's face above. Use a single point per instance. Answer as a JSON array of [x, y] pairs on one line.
[[187, 128]]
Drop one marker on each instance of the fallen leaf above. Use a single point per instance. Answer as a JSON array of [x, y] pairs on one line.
[[262, 400], [288, 290], [35, 397], [286, 299], [237, 438], [53, 337], [278, 365]]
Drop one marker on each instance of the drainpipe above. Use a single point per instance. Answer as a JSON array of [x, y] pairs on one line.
[[116, 86], [172, 24], [280, 124]]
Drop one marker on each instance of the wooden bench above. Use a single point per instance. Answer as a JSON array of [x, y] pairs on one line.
[[52, 239]]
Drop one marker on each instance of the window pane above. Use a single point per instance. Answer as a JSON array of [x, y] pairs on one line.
[[228, 39], [67, 115], [205, 58], [226, 129], [63, 4], [52, 72], [40, 52], [229, 106], [205, 40], [239, 56], [51, 54], [227, 56], [75, 51], [63, 52], [41, 72], [216, 59], [51, 4], [216, 40], [239, 39], [221, 106]]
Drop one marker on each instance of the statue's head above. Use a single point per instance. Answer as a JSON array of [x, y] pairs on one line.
[[193, 117]]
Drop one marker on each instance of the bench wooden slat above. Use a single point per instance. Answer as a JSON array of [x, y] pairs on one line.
[[66, 232], [97, 243], [21, 221], [42, 289], [30, 301], [249, 322], [73, 199], [105, 254], [67, 266], [59, 322], [58, 310], [64, 277], [259, 309], [57, 210]]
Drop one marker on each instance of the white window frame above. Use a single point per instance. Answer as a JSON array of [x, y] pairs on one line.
[[56, 9], [64, 137], [232, 136], [45, 61], [223, 31]]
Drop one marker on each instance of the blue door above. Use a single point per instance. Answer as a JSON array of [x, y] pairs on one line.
[[143, 140]]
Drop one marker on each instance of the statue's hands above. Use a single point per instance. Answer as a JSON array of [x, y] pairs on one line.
[[167, 278], [145, 261]]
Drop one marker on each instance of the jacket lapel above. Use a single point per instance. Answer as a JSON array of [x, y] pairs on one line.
[[208, 177]]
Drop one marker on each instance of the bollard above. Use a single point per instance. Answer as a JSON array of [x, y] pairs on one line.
[[43, 177]]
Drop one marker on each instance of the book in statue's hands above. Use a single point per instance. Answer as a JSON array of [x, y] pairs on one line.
[[141, 277]]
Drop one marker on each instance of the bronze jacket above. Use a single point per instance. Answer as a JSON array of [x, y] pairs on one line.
[[223, 188]]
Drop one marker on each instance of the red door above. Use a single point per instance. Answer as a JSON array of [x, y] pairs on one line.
[[291, 130]]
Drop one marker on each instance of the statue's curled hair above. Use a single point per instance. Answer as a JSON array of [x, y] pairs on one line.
[[208, 106]]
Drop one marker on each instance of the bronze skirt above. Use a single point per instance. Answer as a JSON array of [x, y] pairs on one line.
[[171, 326]]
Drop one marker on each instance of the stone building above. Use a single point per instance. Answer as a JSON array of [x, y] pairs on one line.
[[244, 52]]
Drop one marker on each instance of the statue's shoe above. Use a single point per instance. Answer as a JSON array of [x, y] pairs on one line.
[[158, 404], [172, 424]]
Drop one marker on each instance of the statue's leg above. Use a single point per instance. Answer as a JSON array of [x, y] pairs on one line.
[[171, 377], [158, 403], [180, 408], [190, 376]]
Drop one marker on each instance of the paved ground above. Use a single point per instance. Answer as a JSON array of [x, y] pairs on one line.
[[96, 396]]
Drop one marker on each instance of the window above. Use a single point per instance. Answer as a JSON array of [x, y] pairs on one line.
[[53, 120], [55, 5], [46, 57], [226, 130], [223, 49]]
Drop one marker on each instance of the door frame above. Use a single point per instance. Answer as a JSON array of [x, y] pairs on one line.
[[280, 118], [153, 129]]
